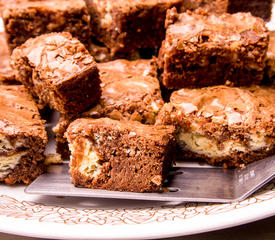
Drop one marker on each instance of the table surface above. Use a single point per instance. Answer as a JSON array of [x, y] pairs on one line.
[[260, 230]]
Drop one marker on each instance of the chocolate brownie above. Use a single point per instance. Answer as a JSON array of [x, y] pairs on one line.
[[258, 8], [7, 75], [22, 136], [24, 19], [271, 58], [212, 6], [130, 91], [202, 49], [126, 26], [223, 125], [58, 71], [119, 155]]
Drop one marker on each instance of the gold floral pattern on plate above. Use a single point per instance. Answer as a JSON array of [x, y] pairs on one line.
[[11, 207]]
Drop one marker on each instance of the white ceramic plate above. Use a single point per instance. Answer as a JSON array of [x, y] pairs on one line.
[[83, 218]]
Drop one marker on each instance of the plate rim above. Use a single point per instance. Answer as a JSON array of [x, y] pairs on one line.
[[259, 206]]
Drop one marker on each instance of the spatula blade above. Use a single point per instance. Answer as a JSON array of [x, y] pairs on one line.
[[185, 183]]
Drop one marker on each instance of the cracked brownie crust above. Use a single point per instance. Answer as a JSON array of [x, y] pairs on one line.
[[58, 71], [119, 155], [22, 136], [126, 93], [223, 125], [202, 50]]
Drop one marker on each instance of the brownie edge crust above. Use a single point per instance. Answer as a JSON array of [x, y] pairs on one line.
[[119, 155], [223, 125], [22, 136], [202, 49], [58, 71], [24, 19]]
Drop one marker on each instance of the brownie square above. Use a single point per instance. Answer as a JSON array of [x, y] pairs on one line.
[[58, 71], [258, 8], [223, 125], [22, 136], [126, 26], [130, 91], [119, 155], [203, 50], [7, 75], [211, 6], [24, 19]]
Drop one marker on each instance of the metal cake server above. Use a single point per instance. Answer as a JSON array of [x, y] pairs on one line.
[[186, 182]]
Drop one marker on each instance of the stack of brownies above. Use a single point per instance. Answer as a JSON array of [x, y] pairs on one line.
[[138, 84]]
